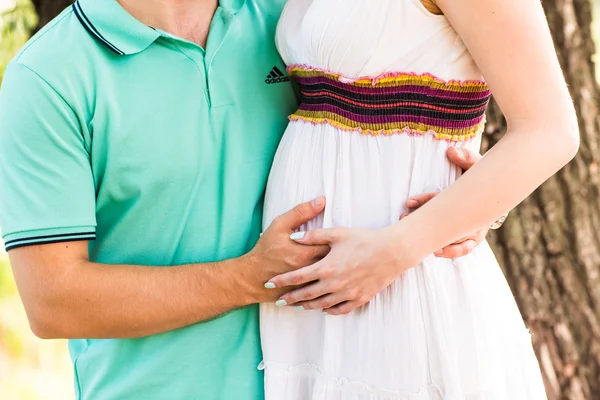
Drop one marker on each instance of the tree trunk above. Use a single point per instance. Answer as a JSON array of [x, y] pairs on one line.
[[550, 245], [48, 9]]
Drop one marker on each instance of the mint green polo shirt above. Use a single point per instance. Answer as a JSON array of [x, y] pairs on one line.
[[157, 152]]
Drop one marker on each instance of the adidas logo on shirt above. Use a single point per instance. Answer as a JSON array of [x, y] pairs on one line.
[[276, 76]]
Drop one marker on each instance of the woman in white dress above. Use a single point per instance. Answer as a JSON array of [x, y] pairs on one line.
[[387, 87]]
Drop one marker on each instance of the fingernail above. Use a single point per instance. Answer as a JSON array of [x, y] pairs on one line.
[[297, 235], [412, 203], [281, 303], [438, 253], [270, 285], [299, 308], [460, 152], [318, 202]]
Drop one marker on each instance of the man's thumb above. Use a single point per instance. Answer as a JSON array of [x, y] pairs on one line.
[[303, 213]]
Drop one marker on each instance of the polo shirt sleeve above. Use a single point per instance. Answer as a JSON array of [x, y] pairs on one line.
[[47, 190]]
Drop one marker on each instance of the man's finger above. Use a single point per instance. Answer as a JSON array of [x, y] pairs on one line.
[[463, 158], [300, 215], [417, 201], [457, 250], [319, 252]]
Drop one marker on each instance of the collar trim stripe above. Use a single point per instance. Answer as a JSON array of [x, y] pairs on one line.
[[83, 19]]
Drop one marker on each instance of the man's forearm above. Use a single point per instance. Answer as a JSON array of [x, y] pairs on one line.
[[65, 295], [123, 301]]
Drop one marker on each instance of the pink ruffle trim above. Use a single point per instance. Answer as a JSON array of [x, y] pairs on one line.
[[375, 79], [406, 130]]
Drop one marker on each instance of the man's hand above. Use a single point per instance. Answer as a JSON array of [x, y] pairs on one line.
[[465, 159], [275, 253]]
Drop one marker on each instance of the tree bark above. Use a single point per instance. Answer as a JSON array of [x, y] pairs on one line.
[[550, 246], [48, 9]]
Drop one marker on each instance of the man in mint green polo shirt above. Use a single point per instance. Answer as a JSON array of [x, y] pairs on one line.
[[129, 145]]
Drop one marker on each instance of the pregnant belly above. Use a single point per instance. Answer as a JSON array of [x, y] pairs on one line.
[[366, 179]]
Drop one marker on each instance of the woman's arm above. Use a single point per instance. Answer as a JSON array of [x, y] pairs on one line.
[[511, 43]]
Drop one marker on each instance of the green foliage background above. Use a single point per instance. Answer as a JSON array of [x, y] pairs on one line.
[[32, 369], [17, 22]]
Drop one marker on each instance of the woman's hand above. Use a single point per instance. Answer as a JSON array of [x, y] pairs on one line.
[[459, 248], [361, 264], [464, 159]]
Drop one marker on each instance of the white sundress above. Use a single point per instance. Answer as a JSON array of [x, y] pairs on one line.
[[387, 88]]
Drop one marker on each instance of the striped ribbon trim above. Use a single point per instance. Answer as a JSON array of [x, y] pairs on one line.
[[393, 103], [47, 239]]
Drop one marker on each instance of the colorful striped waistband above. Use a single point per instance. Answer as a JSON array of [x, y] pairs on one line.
[[392, 103]]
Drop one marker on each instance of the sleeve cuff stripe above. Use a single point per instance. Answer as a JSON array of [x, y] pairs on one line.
[[50, 237], [12, 244]]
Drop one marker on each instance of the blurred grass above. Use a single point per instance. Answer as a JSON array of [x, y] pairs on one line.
[[30, 368]]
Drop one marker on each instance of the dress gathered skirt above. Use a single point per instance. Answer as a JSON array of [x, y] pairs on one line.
[[386, 89]]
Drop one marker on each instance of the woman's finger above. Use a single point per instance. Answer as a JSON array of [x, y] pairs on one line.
[[463, 158], [324, 302], [305, 294], [457, 250], [417, 201], [296, 278], [344, 308]]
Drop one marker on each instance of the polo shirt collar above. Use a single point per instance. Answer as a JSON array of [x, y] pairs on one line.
[[118, 30], [114, 27]]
